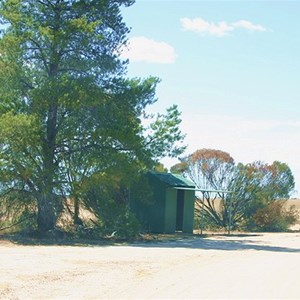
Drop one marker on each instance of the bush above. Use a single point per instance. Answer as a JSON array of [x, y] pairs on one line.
[[206, 223], [275, 217], [17, 214], [112, 212]]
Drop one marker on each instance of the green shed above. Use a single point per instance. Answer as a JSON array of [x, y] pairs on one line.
[[171, 207]]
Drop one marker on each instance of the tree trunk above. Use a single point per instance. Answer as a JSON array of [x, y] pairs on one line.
[[76, 219], [47, 200], [47, 216]]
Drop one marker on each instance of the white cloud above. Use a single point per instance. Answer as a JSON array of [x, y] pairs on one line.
[[142, 49], [219, 29], [248, 25], [201, 26]]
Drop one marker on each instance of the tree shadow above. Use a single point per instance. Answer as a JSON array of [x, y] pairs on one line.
[[231, 243], [222, 242], [74, 242]]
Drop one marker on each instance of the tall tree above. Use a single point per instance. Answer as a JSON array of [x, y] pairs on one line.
[[64, 100]]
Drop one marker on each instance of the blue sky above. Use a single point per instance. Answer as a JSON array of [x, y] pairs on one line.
[[232, 67]]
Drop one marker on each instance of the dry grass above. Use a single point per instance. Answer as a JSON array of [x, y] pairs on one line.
[[293, 201], [289, 203], [296, 203], [66, 219]]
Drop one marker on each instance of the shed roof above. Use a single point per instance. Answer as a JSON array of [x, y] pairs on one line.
[[173, 180]]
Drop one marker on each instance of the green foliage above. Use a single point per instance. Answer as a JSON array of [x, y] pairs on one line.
[[258, 184], [110, 204], [67, 112], [163, 134], [203, 220], [17, 213], [160, 168]]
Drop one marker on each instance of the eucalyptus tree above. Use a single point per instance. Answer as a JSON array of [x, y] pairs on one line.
[[251, 186], [211, 171], [258, 184], [67, 109]]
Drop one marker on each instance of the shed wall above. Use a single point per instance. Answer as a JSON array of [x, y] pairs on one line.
[[188, 213], [170, 211]]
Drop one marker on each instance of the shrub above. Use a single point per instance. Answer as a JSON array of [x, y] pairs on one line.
[[275, 217], [110, 206], [17, 214]]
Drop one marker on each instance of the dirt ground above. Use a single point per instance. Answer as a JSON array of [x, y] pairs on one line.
[[252, 266]]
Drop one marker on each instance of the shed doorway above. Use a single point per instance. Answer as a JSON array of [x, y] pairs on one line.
[[180, 208]]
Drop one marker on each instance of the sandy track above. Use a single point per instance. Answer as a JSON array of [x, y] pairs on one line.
[[238, 267]]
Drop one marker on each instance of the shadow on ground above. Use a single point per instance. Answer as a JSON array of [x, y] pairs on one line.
[[219, 242], [205, 242], [76, 242]]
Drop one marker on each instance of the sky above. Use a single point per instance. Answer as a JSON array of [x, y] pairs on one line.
[[233, 69]]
